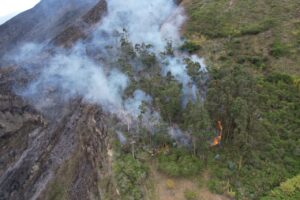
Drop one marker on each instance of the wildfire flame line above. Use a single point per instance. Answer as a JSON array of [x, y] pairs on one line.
[[217, 140]]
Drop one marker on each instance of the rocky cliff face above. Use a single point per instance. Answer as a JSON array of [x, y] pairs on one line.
[[61, 154], [51, 19]]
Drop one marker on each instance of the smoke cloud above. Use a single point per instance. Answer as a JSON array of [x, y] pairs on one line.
[[133, 105], [179, 136], [151, 22], [75, 75], [157, 23], [86, 71], [121, 137]]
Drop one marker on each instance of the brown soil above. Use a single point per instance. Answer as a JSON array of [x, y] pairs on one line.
[[180, 186]]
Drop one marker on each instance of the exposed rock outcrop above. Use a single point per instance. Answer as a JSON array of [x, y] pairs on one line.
[[61, 154], [51, 19]]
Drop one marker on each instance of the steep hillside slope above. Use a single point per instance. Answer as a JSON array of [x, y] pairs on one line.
[[66, 147], [48, 20], [111, 100], [252, 50], [61, 85], [267, 30]]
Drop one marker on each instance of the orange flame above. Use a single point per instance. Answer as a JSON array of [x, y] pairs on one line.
[[217, 140]]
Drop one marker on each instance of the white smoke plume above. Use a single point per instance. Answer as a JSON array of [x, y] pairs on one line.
[[29, 51], [179, 136], [121, 137], [131, 110], [178, 69], [151, 22], [201, 61], [133, 105], [157, 23], [75, 73]]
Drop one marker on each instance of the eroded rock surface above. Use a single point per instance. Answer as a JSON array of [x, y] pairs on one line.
[[60, 153]]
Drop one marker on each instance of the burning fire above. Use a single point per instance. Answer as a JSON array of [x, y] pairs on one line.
[[217, 140]]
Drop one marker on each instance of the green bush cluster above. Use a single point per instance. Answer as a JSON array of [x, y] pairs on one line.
[[217, 186], [265, 146], [258, 61], [190, 47], [190, 195], [256, 28], [130, 174], [260, 112], [288, 190], [179, 163], [279, 49]]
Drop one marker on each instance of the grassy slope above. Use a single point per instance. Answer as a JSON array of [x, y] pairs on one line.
[[256, 24], [264, 37]]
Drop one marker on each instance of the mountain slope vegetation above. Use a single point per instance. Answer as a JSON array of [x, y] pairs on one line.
[[252, 48], [109, 116]]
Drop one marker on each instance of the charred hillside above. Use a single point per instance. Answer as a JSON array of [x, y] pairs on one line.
[[51, 20], [67, 147]]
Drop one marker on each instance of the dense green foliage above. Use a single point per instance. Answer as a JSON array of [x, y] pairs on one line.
[[261, 129], [232, 98], [190, 47], [130, 174], [288, 190], [278, 49], [179, 163], [252, 51], [259, 110], [252, 48]]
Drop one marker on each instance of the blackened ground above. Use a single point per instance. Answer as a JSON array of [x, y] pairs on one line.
[[61, 153]]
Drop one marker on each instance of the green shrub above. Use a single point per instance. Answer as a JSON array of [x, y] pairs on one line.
[[190, 47], [190, 195], [278, 49], [217, 186], [179, 163], [278, 77], [288, 190], [257, 28], [257, 61], [129, 174]]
